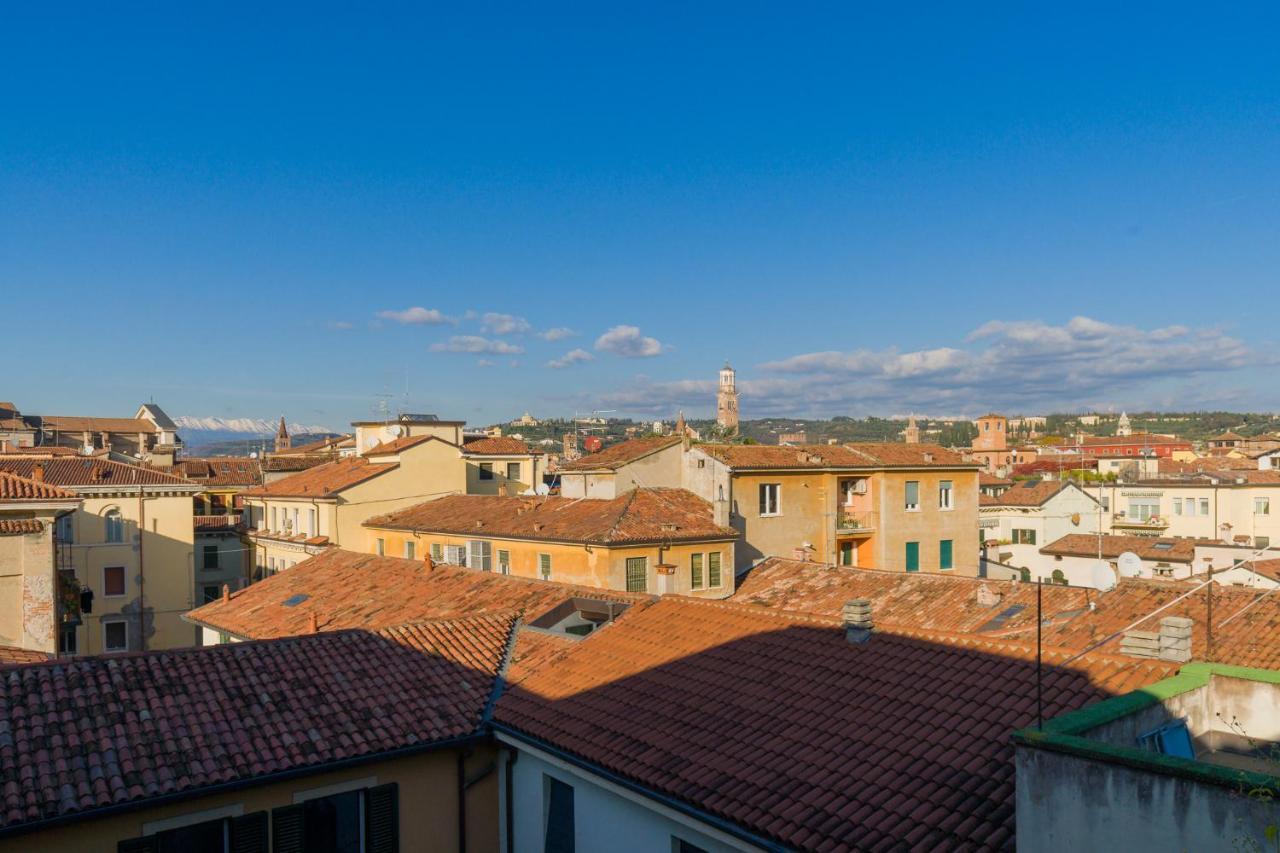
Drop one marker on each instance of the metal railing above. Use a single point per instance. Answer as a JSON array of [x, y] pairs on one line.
[[848, 520]]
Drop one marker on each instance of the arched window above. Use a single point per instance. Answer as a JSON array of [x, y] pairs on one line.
[[1059, 577], [114, 526]]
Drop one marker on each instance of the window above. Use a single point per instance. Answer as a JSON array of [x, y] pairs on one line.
[[1106, 503], [1023, 536], [379, 546], [274, 520], [115, 636], [513, 471], [504, 562], [65, 533], [349, 822], [1261, 542], [1142, 509], [1059, 577], [455, 554], [1204, 506], [210, 592], [220, 835], [480, 554], [410, 549], [113, 580], [311, 522], [1262, 506], [637, 574], [1177, 506], [558, 833], [679, 845], [770, 498], [944, 554], [210, 560], [544, 566], [913, 556], [945, 495], [713, 569], [114, 526], [271, 564], [68, 643], [846, 552], [695, 571], [486, 470], [437, 552], [912, 501]]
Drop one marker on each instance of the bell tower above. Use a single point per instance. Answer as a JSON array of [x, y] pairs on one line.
[[727, 400], [282, 437]]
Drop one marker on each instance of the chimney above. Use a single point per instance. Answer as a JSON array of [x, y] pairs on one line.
[[226, 593], [1140, 644], [720, 512], [857, 621], [988, 597], [313, 624], [1175, 638], [427, 562], [37, 472]]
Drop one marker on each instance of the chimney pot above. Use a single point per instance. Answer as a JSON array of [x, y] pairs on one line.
[[856, 616], [313, 623], [226, 593]]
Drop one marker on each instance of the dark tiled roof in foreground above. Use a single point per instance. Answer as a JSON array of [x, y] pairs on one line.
[[777, 723], [105, 731], [350, 590]]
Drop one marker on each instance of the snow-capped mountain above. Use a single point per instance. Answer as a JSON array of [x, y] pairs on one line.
[[197, 431]]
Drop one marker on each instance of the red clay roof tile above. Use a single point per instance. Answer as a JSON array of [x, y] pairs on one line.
[[323, 481]]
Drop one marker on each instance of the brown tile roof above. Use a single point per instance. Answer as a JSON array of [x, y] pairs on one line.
[[81, 471], [44, 451], [74, 423], [296, 463], [1030, 493], [1195, 466], [99, 732], [535, 649], [20, 526], [821, 456], [640, 515], [350, 590], [776, 723], [502, 446], [1146, 438], [1228, 436], [621, 454], [17, 488], [14, 656], [324, 480], [1173, 550], [985, 479], [214, 523], [326, 444], [221, 470]]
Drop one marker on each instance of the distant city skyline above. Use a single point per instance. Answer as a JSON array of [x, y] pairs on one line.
[[866, 211]]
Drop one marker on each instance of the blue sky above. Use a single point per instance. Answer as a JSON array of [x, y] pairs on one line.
[[867, 211]]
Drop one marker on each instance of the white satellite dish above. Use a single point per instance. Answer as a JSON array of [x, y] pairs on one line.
[[542, 489], [1130, 565], [371, 441], [1103, 577]]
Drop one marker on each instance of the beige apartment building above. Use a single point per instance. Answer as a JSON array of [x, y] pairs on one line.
[[501, 466], [129, 545], [1238, 507]]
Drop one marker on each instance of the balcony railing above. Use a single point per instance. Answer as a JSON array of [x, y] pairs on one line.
[[849, 521], [1155, 522]]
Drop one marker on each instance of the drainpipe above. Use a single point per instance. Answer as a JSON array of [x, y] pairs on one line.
[[142, 578], [512, 756]]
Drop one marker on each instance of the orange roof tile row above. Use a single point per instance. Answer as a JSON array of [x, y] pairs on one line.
[[20, 526], [622, 453], [819, 456], [640, 515], [1174, 550], [15, 488], [73, 423], [500, 446], [323, 481], [11, 655], [221, 470], [1031, 493], [79, 471]]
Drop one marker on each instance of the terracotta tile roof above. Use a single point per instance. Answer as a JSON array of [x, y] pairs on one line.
[[214, 523], [1032, 493], [350, 590], [1173, 550], [44, 451], [98, 732], [821, 456], [73, 423], [501, 446], [1195, 466], [295, 463], [777, 723], [1144, 438], [398, 444], [324, 480], [621, 454], [221, 470], [20, 526], [14, 656], [640, 515], [1228, 436], [297, 538], [535, 649], [985, 479], [325, 444], [17, 488], [81, 471], [1267, 568]]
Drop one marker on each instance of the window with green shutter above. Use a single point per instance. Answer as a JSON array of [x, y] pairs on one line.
[[437, 552], [913, 556], [912, 501], [713, 569], [846, 553], [944, 554], [544, 566], [637, 574], [695, 571]]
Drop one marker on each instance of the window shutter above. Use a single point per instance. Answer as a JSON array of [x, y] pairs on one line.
[[382, 819], [695, 571], [138, 845], [249, 833], [713, 568], [764, 500], [289, 829]]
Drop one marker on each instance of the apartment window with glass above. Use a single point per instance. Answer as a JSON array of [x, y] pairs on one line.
[[480, 554], [1262, 506], [210, 592], [437, 552], [637, 574], [349, 822], [114, 526], [1177, 506], [713, 569], [210, 559], [558, 831], [410, 551], [1142, 509], [695, 571], [115, 636], [504, 562], [380, 546], [1261, 542], [513, 470], [1023, 536], [944, 554], [1106, 503], [913, 556], [220, 835], [113, 581], [68, 644], [911, 501], [945, 495], [1204, 506], [486, 470], [770, 498], [544, 566]]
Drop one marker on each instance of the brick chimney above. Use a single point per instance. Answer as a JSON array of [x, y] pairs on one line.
[[37, 472], [856, 615], [987, 597], [226, 593], [1175, 638]]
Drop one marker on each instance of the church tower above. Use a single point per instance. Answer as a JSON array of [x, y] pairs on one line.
[[727, 400], [912, 432], [282, 437], [1122, 425]]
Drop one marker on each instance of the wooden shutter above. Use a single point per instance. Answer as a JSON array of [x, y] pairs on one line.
[[382, 819], [913, 556], [289, 829], [249, 833], [713, 569], [944, 553], [695, 571], [138, 845]]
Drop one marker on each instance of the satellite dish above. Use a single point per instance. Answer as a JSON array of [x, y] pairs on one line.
[[542, 489], [371, 441], [1130, 565], [1103, 577]]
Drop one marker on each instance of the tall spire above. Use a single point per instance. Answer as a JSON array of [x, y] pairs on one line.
[[282, 436]]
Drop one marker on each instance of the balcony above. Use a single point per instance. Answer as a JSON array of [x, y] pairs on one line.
[[854, 523], [1154, 524]]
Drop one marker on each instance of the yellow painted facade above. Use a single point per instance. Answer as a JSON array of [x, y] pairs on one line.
[[503, 474]]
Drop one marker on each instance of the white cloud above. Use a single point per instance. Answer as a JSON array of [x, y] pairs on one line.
[[559, 333], [476, 344], [418, 316], [1021, 366], [572, 357], [627, 342], [504, 324]]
